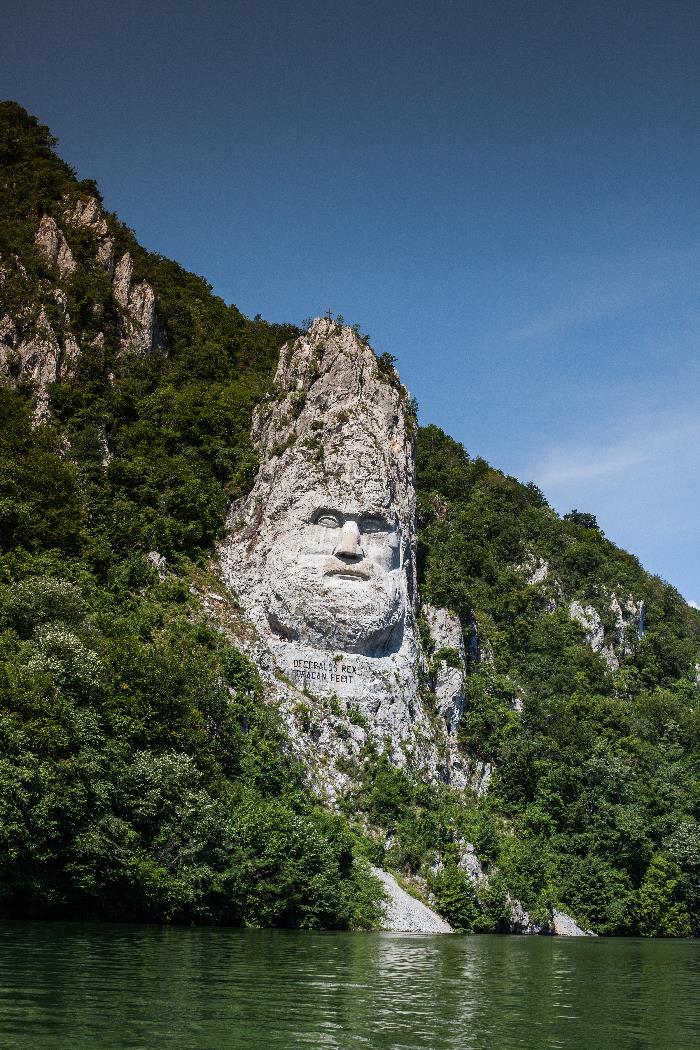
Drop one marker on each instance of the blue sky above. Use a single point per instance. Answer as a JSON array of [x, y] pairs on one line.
[[504, 195]]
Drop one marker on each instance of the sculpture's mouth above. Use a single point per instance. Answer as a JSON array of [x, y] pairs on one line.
[[361, 570]]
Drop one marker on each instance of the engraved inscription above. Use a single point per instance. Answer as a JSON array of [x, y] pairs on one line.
[[338, 673]]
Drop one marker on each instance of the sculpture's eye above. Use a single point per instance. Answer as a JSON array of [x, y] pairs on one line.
[[328, 521], [373, 525]]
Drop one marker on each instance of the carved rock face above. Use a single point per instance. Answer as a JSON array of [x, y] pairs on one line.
[[321, 558], [321, 551], [336, 577]]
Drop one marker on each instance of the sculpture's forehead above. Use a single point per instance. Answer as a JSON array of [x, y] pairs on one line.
[[301, 487]]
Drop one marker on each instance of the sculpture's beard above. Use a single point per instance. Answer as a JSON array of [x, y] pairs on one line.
[[350, 613]]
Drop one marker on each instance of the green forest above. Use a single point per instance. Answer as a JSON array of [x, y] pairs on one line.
[[142, 774]]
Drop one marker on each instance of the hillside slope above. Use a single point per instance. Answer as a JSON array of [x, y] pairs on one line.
[[142, 774], [582, 693]]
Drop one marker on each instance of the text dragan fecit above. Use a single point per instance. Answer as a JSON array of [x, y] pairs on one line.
[[324, 671]]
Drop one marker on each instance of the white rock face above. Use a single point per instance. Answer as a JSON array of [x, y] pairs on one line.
[[32, 347], [121, 281], [36, 357], [36, 341], [521, 921], [87, 213], [450, 672], [535, 570], [470, 863], [588, 618], [139, 303], [158, 562], [629, 624], [629, 621], [54, 247], [404, 914], [321, 556]]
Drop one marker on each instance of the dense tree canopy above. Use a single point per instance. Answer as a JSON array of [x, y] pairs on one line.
[[596, 769]]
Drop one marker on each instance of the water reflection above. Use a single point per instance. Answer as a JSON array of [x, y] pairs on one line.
[[144, 987]]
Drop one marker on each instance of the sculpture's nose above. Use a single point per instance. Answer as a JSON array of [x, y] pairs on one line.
[[349, 546]]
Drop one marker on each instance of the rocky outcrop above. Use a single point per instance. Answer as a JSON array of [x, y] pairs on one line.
[[610, 626], [37, 339], [39, 355], [159, 563], [86, 213], [628, 617], [589, 619], [35, 348], [54, 247], [403, 913], [538, 574], [629, 622], [535, 570], [138, 301], [321, 556], [467, 860], [448, 671], [470, 863], [559, 924], [448, 663], [121, 281], [521, 922]]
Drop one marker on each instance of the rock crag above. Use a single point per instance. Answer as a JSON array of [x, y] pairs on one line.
[[321, 556], [39, 342]]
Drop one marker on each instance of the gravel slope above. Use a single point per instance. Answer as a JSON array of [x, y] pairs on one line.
[[405, 914]]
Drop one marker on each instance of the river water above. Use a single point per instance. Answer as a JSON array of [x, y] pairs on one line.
[[99, 987]]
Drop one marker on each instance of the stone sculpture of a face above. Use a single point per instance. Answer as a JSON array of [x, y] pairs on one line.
[[336, 577], [321, 549]]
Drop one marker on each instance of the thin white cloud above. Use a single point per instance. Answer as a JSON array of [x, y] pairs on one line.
[[577, 310], [694, 605], [585, 463], [618, 450], [590, 301]]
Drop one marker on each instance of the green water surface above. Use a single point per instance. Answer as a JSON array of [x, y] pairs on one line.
[[92, 986]]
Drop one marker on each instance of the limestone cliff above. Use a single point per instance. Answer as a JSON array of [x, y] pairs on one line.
[[321, 555], [611, 619], [40, 342]]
